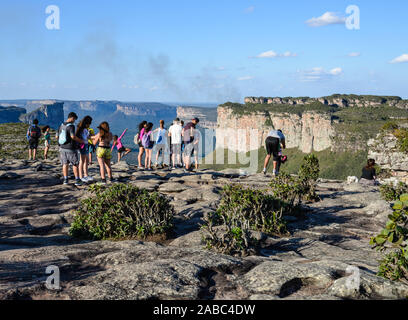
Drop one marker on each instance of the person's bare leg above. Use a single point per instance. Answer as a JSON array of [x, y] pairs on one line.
[[76, 171], [108, 167], [46, 152], [196, 162], [29, 154], [90, 157], [275, 164], [86, 163], [65, 168], [119, 156], [101, 168], [34, 154], [267, 158]]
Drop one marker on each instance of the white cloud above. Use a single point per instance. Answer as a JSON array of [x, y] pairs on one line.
[[354, 54], [273, 54], [249, 9], [155, 88], [400, 59], [317, 74], [336, 71], [326, 19], [245, 78]]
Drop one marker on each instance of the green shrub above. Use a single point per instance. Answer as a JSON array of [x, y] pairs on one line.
[[394, 235], [308, 175], [402, 139], [390, 126], [391, 193], [287, 188], [122, 211], [240, 211]]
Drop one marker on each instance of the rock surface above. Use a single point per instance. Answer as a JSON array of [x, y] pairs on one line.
[[327, 239]]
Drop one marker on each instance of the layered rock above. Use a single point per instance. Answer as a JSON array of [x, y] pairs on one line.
[[52, 115], [207, 116], [384, 150], [335, 100], [310, 131], [10, 114]]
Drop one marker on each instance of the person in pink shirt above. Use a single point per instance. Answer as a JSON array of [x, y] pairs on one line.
[[121, 148]]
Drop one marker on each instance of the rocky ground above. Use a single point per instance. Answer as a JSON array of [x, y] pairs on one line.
[[312, 263]]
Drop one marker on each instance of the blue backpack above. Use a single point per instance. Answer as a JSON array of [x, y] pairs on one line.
[[63, 136]]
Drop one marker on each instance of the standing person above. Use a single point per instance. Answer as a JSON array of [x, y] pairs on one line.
[[47, 140], [196, 147], [175, 134], [138, 141], [83, 134], [68, 141], [147, 142], [117, 141], [188, 139], [33, 136], [273, 143], [369, 175], [182, 144], [161, 142], [91, 147], [103, 152]]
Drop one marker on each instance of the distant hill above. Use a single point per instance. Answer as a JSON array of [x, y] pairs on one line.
[[11, 114]]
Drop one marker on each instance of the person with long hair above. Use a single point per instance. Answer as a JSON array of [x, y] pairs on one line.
[[138, 141], [369, 175], [148, 145], [103, 152], [82, 132], [47, 140]]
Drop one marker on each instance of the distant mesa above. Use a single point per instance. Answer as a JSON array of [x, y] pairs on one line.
[[336, 100], [11, 114], [49, 114]]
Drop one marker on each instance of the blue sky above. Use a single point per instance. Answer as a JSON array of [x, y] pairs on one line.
[[201, 50]]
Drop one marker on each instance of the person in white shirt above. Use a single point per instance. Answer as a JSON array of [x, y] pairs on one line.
[[161, 142], [273, 144], [175, 135]]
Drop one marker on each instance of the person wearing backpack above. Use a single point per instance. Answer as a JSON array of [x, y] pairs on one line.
[[68, 143], [148, 143], [33, 136]]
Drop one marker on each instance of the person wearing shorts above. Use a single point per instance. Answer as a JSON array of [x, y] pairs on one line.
[[33, 136], [273, 144], [69, 154]]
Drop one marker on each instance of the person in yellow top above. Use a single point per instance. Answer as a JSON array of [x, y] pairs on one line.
[[91, 146]]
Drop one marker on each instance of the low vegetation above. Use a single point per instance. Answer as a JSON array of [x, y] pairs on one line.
[[241, 211], [122, 211], [393, 238], [14, 145], [391, 192]]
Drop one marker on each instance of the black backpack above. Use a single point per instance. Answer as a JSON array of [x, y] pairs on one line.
[[35, 132]]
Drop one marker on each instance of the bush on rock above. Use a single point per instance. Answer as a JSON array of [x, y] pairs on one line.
[[122, 211]]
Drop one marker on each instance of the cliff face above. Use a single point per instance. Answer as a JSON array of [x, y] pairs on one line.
[[342, 101], [207, 116], [383, 149], [52, 115], [10, 114], [309, 132]]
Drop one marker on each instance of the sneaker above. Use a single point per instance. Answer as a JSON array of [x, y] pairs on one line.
[[112, 180], [102, 182], [84, 180], [65, 181], [264, 172], [173, 168], [78, 182], [89, 178]]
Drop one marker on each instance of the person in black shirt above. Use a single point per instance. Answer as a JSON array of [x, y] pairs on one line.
[[368, 176]]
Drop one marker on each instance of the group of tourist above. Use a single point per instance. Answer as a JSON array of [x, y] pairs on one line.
[[76, 145], [180, 141]]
